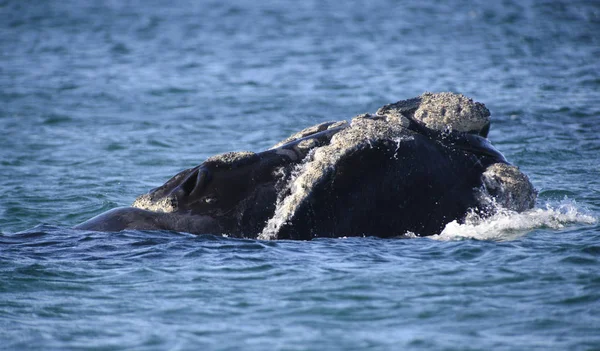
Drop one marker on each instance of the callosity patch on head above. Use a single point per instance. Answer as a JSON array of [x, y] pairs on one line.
[[509, 187], [443, 112], [404, 108], [454, 112], [232, 159], [163, 204]]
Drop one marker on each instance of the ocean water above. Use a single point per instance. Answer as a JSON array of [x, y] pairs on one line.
[[101, 101]]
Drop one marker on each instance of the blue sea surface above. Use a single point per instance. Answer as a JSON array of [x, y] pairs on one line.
[[101, 101]]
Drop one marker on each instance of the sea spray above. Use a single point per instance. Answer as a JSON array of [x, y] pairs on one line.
[[510, 225]]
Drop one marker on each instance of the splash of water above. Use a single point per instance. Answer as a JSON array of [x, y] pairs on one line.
[[510, 225]]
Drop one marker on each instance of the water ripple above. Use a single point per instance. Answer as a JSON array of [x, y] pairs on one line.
[[102, 101]]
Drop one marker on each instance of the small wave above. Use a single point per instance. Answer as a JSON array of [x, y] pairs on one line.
[[510, 225]]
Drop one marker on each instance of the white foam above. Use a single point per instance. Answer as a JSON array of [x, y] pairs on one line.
[[510, 225]]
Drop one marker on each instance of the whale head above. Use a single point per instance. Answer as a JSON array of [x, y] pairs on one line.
[[414, 165]]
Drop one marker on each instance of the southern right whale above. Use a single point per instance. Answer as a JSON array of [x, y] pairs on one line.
[[413, 166]]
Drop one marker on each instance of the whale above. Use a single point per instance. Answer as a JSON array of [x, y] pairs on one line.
[[410, 168]]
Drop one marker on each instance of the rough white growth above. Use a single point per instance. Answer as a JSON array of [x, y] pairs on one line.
[[307, 144], [509, 187], [230, 158], [146, 202], [454, 112]]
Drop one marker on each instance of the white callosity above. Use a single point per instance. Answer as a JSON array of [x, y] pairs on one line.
[[146, 202], [453, 112], [508, 187], [230, 158]]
